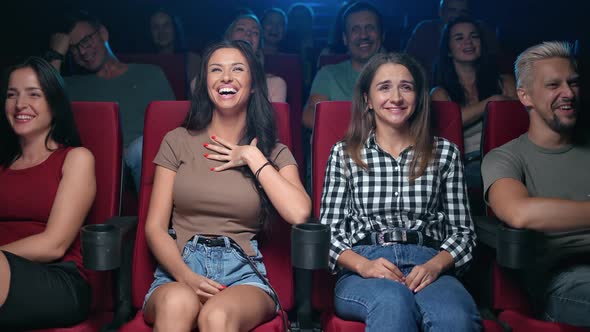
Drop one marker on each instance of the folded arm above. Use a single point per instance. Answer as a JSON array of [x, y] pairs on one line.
[[512, 203]]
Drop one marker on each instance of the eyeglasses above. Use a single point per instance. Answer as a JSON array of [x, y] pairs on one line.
[[85, 42]]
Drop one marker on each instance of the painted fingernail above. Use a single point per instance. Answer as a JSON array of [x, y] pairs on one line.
[[213, 137], [212, 169], [205, 144], [206, 155], [223, 287]]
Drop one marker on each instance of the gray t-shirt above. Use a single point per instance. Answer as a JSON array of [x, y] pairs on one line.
[[560, 173], [133, 90], [335, 81]]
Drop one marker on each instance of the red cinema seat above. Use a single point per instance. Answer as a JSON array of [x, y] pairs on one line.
[[503, 122], [98, 125], [289, 68], [331, 122], [161, 117], [173, 66]]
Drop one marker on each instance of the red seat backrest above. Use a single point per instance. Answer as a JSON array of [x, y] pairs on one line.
[[503, 122], [331, 123], [447, 123], [100, 132], [98, 125], [173, 66], [289, 67], [332, 119], [161, 117], [332, 59]]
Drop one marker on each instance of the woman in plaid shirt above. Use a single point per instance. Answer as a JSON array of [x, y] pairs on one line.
[[395, 200]]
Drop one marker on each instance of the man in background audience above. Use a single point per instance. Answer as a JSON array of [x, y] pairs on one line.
[[423, 44], [363, 36], [540, 181], [133, 86]]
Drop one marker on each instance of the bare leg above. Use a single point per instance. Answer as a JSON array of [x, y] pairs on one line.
[[4, 278], [238, 308], [173, 307]]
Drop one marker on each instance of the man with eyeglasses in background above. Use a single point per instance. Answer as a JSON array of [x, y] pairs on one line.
[[133, 86]]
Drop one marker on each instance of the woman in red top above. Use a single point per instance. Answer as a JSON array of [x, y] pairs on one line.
[[48, 186]]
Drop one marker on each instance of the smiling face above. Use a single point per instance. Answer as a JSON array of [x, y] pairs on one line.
[[553, 93], [274, 28], [464, 42], [392, 96], [362, 35], [246, 29], [26, 106], [87, 45], [229, 81], [162, 29]]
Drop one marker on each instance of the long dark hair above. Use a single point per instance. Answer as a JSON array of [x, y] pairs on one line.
[[488, 81], [260, 120], [63, 128], [362, 122]]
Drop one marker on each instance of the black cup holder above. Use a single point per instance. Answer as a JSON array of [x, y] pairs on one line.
[[515, 247], [101, 247], [310, 245]]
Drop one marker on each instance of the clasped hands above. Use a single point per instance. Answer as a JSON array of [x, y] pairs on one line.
[[420, 276], [232, 155]]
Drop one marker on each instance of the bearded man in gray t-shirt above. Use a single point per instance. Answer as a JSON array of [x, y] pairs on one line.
[[540, 181]]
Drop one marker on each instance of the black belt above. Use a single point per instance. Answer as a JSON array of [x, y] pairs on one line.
[[399, 236], [212, 241]]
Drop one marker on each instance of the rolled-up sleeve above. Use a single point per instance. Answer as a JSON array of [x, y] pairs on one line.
[[460, 230]]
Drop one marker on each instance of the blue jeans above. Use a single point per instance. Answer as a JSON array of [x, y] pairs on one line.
[[567, 296], [386, 305], [222, 264], [133, 159]]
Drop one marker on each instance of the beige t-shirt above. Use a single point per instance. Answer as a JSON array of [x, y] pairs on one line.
[[211, 203]]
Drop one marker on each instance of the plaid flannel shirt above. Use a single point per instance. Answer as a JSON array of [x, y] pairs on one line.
[[356, 202]]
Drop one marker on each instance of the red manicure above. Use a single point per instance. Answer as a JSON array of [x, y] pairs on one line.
[[212, 168], [223, 287], [213, 137], [206, 155], [205, 144]]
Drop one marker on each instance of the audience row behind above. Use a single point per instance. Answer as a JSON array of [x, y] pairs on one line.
[[133, 86]]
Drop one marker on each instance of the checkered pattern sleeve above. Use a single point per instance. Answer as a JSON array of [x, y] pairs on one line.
[[459, 227], [334, 206]]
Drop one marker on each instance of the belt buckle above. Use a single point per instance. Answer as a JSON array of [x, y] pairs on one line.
[[404, 236], [380, 239]]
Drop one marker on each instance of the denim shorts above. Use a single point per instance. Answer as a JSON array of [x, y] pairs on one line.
[[226, 265]]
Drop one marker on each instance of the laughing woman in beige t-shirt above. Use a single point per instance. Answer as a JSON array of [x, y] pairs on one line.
[[219, 176]]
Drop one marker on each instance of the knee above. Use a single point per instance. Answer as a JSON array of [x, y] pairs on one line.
[[394, 299], [453, 319], [178, 304], [214, 318]]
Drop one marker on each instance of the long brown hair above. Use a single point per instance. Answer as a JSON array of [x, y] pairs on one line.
[[362, 122]]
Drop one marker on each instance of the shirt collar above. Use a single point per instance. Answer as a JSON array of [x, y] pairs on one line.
[[371, 143]]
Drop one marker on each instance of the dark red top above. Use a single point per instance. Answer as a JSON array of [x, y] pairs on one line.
[[26, 198]]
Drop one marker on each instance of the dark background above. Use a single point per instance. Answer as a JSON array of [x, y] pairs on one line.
[[26, 25]]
